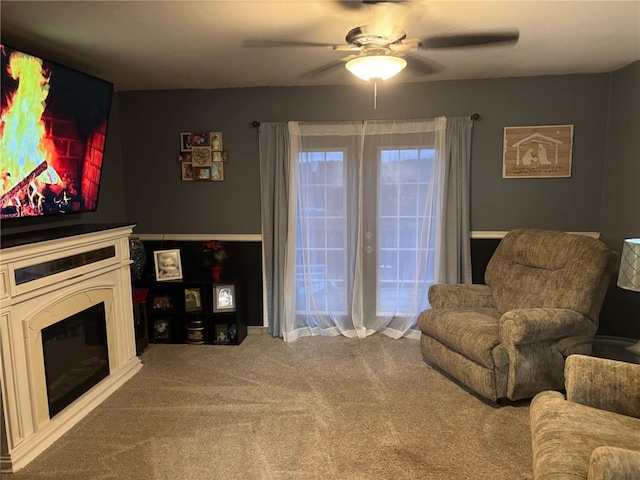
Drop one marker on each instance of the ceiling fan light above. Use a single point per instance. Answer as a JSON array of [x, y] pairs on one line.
[[376, 67]]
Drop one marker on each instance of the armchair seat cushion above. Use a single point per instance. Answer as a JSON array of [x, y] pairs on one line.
[[473, 332], [565, 435]]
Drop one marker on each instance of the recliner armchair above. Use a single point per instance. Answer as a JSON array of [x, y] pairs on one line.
[[499, 339]]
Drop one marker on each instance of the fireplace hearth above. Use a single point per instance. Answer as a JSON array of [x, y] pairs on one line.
[[67, 337]]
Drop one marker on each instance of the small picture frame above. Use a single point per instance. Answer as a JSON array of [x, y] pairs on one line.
[[224, 298], [216, 155], [222, 335], [202, 174], [162, 329], [185, 142], [167, 265], [184, 157], [161, 303], [200, 139], [192, 300], [225, 156], [216, 141], [217, 172], [186, 169]]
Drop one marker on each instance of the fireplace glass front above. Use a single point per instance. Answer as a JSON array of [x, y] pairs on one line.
[[75, 356]]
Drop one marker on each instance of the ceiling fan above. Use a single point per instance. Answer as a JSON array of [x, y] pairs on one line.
[[381, 49]]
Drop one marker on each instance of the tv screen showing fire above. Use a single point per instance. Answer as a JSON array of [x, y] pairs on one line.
[[53, 130]]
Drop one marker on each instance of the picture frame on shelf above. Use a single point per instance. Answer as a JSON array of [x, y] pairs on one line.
[[162, 329], [168, 265], [192, 300], [186, 169], [216, 140], [224, 298], [222, 335], [217, 172], [185, 142], [161, 303], [200, 139], [201, 174]]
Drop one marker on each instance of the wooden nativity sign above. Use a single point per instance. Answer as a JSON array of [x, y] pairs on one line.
[[537, 152]]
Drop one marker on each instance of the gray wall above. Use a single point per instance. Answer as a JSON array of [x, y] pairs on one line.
[[620, 202], [159, 202]]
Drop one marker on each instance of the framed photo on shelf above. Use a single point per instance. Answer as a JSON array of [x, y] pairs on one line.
[[216, 140], [185, 142], [222, 334], [192, 300], [224, 298], [161, 302], [162, 329], [202, 174], [200, 139], [167, 264], [186, 172], [217, 172]]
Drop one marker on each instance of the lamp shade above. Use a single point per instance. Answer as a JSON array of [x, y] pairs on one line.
[[376, 66], [629, 276]]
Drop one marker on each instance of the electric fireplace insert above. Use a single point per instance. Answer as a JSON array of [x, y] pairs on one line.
[[75, 356]]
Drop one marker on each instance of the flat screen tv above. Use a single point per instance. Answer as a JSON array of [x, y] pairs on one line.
[[52, 136]]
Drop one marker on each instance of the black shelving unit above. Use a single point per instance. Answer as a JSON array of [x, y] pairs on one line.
[[175, 307]]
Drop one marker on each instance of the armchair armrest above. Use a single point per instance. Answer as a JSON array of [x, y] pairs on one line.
[[460, 296], [528, 325], [612, 462], [603, 383]]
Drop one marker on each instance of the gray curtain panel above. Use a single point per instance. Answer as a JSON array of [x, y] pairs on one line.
[[274, 186], [456, 256]]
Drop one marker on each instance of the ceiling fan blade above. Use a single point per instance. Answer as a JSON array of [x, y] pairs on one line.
[[328, 68], [422, 65], [470, 39], [356, 5], [284, 43]]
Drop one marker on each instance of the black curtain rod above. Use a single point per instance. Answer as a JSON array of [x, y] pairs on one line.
[[475, 116]]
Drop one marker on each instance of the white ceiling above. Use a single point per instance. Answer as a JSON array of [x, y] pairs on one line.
[[148, 45]]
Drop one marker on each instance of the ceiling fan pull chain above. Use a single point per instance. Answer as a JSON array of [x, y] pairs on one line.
[[375, 95]]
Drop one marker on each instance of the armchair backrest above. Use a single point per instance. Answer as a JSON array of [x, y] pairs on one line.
[[534, 268], [603, 383]]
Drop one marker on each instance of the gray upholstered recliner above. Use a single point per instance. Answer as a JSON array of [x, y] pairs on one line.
[[593, 433], [499, 339]]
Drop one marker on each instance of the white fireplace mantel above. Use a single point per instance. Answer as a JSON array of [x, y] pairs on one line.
[[43, 278]]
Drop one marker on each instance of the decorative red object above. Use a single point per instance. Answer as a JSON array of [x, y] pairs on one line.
[[140, 295], [216, 273]]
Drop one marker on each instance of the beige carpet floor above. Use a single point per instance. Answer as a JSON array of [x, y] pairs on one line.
[[319, 408]]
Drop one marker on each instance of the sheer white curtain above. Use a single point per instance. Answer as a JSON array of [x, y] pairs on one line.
[[365, 209]]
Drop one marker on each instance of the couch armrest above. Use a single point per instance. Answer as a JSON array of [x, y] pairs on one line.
[[611, 462], [528, 325], [603, 383], [460, 296]]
